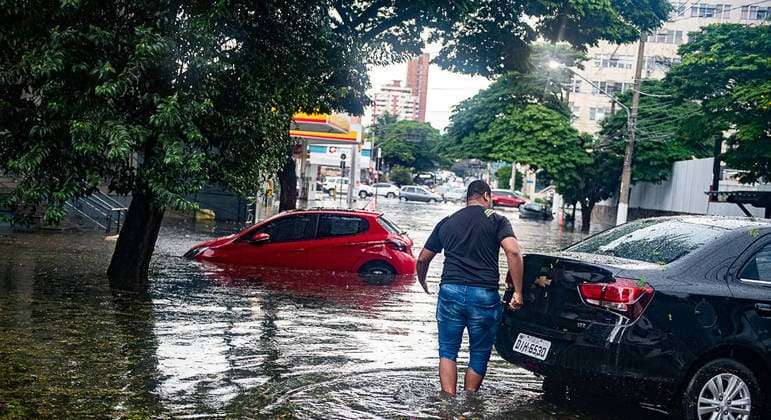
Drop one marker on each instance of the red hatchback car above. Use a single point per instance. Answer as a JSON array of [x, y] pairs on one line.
[[339, 240], [503, 198]]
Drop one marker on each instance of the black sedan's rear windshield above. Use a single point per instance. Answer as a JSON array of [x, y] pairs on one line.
[[657, 241]]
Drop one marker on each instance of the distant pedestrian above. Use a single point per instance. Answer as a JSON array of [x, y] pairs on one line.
[[468, 294]]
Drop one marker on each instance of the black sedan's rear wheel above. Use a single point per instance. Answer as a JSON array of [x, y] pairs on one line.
[[723, 389]]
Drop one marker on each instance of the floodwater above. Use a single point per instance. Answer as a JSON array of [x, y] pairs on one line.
[[205, 341]]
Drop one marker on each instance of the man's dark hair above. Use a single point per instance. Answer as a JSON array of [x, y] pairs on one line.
[[477, 188]]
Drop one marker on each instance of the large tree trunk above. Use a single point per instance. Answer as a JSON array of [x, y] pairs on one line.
[[136, 243], [287, 178], [586, 216]]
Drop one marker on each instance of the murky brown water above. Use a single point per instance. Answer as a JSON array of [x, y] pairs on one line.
[[208, 342]]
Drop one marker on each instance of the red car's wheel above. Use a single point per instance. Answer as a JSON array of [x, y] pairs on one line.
[[377, 272]]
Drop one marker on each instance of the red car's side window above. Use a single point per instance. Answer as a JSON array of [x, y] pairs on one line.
[[339, 225], [290, 228]]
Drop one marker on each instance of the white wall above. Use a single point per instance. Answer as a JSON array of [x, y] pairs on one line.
[[685, 192]]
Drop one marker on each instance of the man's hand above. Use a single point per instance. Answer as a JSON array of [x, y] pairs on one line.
[[424, 259], [516, 266], [516, 301]]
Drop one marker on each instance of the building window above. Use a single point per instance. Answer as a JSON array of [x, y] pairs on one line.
[[755, 13], [613, 61], [609, 87], [666, 37], [576, 110], [703, 10], [575, 85], [597, 114], [678, 9]]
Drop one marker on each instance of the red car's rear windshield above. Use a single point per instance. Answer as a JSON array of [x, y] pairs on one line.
[[389, 226], [659, 241]]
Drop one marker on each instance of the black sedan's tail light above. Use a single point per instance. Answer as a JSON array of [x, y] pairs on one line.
[[624, 296]]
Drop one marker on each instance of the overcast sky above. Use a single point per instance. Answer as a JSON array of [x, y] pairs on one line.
[[445, 89]]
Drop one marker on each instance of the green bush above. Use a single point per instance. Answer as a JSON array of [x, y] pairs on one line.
[[400, 175]]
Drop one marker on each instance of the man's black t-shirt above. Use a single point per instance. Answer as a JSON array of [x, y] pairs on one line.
[[471, 239]]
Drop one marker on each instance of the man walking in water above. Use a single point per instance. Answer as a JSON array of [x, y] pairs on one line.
[[468, 293]]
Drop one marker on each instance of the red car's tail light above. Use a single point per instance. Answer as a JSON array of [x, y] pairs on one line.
[[627, 297], [397, 245]]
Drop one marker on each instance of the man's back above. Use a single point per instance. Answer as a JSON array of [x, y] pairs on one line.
[[471, 239]]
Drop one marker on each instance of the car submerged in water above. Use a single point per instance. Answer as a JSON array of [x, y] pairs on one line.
[[335, 240], [674, 312]]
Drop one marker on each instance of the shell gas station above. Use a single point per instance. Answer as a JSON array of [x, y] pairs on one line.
[[331, 144]]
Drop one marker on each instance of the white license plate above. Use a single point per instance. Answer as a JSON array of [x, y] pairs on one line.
[[532, 346]]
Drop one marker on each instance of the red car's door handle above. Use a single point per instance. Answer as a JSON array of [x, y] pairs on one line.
[[763, 309]]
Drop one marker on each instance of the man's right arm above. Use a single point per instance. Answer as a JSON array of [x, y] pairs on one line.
[[424, 259], [516, 267]]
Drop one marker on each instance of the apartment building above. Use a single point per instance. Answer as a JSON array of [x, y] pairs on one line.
[[611, 67], [398, 100]]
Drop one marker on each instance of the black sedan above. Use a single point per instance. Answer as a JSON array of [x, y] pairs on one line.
[[674, 312]]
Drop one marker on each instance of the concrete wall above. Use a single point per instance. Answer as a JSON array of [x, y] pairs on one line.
[[684, 192]]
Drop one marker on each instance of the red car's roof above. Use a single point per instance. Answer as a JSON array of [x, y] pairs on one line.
[[336, 211]]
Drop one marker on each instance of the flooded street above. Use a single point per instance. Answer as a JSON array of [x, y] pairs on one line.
[[208, 342]]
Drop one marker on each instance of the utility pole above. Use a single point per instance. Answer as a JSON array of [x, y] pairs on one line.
[[626, 174], [513, 177]]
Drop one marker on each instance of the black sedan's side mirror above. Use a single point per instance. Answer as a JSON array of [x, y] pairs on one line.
[[260, 238]]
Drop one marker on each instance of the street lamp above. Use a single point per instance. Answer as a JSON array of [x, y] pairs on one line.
[[621, 213]]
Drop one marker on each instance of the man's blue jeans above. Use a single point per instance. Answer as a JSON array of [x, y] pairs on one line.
[[476, 308]]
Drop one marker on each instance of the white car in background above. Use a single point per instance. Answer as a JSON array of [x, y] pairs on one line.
[[455, 195], [336, 184], [383, 189]]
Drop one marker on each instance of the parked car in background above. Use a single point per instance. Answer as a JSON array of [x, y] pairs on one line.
[[338, 240], [425, 178], [672, 311], [383, 189], [504, 198], [336, 184], [536, 211], [455, 195], [418, 193]]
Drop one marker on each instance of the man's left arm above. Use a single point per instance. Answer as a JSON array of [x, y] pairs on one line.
[[424, 260]]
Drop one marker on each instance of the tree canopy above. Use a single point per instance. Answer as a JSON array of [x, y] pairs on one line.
[[726, 68], [158, 98], [407, 143], [668, 129]]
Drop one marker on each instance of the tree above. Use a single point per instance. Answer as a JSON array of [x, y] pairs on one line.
[[535, 136], [596, 179], [158, 98], [485, 37], [410, 144], [400, 175], [726, 69], [668, 129], [503, 175]]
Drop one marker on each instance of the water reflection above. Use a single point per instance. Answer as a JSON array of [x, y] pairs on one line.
[[218, 341]]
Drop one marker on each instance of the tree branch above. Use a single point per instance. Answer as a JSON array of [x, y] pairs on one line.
[[340, 8], [369, 13], [388, 23]]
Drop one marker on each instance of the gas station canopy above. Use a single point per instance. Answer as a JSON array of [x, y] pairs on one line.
[[322, 129]]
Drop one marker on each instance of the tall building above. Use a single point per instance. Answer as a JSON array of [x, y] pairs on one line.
[[611, 67], [417, 80], [397, 100]]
